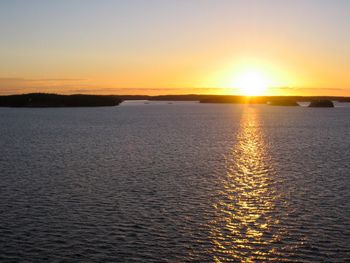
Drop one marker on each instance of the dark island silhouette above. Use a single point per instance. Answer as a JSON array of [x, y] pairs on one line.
[[235, 99], [55, 100], [44, 100], [321, 104], [282, 102]]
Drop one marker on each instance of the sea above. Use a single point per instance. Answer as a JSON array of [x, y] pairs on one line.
[[175, 182]]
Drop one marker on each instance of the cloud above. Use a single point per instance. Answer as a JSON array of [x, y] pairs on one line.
[[23, 85], [308, 89], [74, 86], [311, 91]]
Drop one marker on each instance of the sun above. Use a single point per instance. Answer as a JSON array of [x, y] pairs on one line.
[[249, 76], [251, 83]]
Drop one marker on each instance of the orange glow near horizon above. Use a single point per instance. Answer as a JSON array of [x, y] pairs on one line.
[[247, 74]]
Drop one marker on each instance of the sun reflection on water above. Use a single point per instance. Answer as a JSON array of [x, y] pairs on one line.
[[245, 226]]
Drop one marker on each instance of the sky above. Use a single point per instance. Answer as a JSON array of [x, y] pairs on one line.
[[280, 47]]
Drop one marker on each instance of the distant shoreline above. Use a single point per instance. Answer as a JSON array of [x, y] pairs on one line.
[[46, 100]]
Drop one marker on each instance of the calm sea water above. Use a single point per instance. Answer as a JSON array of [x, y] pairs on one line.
[[180, 182]]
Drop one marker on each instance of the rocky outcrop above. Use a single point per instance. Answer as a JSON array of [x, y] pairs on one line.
[[321, 104]]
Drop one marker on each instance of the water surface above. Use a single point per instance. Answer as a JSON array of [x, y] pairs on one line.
[[180, 182]]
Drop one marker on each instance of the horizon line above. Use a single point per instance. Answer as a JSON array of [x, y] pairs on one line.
[[168, 95]]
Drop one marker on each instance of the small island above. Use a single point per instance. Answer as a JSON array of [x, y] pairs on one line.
[[321, 104], [282, 102], [45, 100], [234, 99]]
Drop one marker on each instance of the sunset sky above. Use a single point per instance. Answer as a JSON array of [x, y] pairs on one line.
[[280, 47]]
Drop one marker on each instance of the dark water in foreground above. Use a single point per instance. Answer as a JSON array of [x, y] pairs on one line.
[[184, 182]]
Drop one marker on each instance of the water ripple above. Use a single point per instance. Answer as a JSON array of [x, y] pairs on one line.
[[175, 183]]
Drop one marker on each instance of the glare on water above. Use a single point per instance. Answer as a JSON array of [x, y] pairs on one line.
[[245, 227]]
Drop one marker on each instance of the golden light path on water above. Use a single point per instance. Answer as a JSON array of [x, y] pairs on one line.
[[245, 225]]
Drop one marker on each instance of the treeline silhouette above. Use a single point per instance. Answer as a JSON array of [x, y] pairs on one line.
[[272, 100], [79, 100], [320, 101], [55, 100]]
